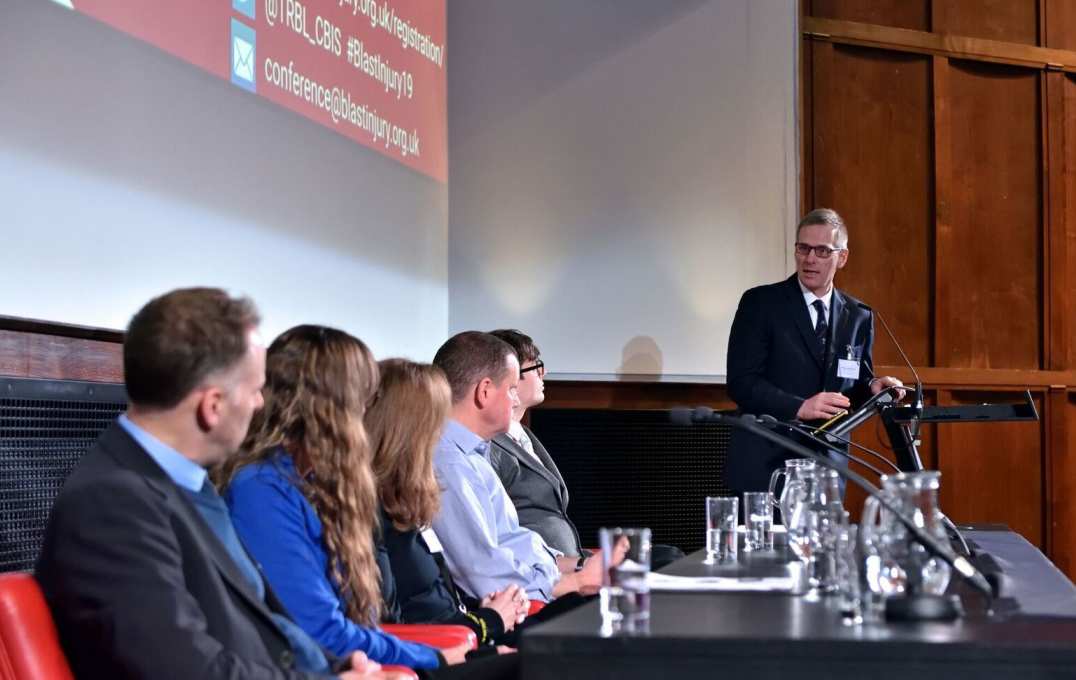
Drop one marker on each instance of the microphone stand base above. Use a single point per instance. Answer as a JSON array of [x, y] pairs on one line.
[[923, 607]]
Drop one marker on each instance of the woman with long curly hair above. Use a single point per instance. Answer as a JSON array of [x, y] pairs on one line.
[[404, 423], [303, 498]]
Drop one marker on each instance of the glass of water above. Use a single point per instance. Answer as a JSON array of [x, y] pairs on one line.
[[758, 520], [722, 514], [625, 595]]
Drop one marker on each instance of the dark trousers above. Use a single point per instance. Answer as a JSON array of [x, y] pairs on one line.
[[489, 667]]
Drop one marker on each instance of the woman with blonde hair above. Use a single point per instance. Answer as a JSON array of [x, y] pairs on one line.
[[303, 498], [404, 423]]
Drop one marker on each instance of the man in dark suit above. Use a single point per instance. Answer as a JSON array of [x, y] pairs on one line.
[[141, 566], [799, 349]]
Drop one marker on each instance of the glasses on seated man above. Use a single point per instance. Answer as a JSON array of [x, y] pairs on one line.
[[538, 365]]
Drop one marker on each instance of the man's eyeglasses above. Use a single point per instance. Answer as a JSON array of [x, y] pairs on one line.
[[537, 366], [821, 252]]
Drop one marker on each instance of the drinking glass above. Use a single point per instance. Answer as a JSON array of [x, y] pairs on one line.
[[758, 521], [721, 517], [625, 595]]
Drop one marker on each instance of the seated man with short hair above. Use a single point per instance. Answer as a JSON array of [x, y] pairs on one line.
[[484, 546], [528, 472], [141, 565]]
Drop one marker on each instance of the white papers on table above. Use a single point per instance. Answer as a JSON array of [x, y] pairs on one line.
[[776, 528], [723, 584]]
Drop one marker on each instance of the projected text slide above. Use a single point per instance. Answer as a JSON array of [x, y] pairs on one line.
[[372, 70]]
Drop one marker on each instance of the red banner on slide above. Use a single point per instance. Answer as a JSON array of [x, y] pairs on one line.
[[372, 70]]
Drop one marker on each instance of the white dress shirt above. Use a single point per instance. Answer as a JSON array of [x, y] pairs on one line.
[[809, 298]]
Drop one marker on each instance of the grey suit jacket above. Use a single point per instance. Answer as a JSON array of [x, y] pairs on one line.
[[537, 490], [141, 587]]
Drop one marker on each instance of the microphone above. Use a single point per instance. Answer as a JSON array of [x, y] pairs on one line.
[[959, 564], [767, 420], [953, 529], [682, 415], [917, 405]]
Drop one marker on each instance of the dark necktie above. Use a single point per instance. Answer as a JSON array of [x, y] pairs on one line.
[[821, 328], [306, 653]]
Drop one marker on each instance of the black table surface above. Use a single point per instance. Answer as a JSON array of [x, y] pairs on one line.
[[1031, 632]]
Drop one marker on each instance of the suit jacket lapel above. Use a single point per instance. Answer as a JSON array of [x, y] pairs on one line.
[[528, 460], [838, 328], [130, 454], [797, 310], [547, 461]]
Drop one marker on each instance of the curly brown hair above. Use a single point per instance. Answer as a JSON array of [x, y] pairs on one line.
[[404, 423], [318, 383]]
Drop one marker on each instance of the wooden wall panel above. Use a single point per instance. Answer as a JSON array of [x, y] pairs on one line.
[[75, 359], [1062, 488], [1057, 298], [914, 14], [990, 257], [1009, 20], [993, 472], [39, 355], [1060, 24], [872, 162], [1068, 184], [14, 354]]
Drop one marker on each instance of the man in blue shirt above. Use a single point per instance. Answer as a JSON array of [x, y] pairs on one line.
[[484, 546], [141, 565]]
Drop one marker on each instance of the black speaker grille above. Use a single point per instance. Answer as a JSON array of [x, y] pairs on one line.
[[45, 428], [635, 468]]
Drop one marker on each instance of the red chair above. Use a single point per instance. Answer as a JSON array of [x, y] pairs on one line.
[[434, 635], [402, 670], [29, 646]]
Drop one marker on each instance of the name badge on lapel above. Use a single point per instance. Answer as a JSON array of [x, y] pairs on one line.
[[848, 368], [430, 538]]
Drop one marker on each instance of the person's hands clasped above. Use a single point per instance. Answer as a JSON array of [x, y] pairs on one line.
[[457, 654], [823, 405], [364, 669], [511, 605]]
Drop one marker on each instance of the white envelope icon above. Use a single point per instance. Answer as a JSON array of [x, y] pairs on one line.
[[242, 59]]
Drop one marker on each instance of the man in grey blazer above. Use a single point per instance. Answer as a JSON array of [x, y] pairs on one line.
[[528, 473]]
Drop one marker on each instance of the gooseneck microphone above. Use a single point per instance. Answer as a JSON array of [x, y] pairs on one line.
[[918, 403], [770, 421], [960, 564], [826, 440]]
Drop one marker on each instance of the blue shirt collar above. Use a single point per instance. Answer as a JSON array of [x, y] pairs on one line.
[[467, 441], [182, 470]]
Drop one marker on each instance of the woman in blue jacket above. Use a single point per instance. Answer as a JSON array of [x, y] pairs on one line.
[[303, 498]]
